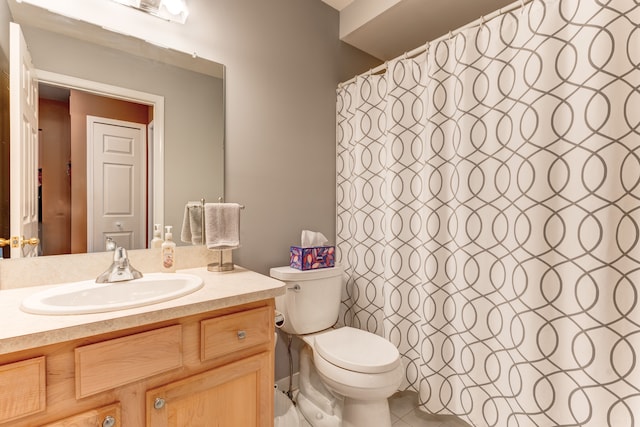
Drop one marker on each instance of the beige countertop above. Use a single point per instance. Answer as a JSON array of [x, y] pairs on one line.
[[21, 331]]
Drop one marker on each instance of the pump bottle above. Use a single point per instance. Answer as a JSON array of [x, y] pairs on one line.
[[157, 241], [168, 252]]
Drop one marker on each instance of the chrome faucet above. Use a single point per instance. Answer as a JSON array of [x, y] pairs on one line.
[[120, 269]]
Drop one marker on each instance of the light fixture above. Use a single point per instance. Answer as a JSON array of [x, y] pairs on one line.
[[171, 10]]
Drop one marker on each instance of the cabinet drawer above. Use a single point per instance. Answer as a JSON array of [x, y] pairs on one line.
[[106, 415], [109, 364], [22, 388], [227, 334]]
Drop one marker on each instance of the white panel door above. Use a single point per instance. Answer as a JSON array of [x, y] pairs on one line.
[[23, 106], [116, 183]]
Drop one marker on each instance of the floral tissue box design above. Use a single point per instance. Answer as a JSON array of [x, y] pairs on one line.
[[312, 258]]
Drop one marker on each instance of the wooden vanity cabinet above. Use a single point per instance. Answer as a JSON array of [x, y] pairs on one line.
[[107, 416], [232, 395], [22, 388], [211, 369], [235, 394]]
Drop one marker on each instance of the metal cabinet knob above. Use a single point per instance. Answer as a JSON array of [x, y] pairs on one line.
[[159, 403], [109, 421], [242, 335]]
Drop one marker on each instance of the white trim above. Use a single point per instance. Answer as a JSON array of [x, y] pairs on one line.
[[155, 101], [151, 157]]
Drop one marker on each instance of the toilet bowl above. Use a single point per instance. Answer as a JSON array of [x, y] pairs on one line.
[[363, 368], [346, 374]]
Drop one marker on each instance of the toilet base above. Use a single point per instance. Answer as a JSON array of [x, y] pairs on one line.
[[361, 413], [322, 408], [314, 415], [317, 404]]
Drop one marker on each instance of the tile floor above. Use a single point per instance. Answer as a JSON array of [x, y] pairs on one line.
[[405, 413]]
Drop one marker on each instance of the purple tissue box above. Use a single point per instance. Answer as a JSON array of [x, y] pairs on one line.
[[312, 258]]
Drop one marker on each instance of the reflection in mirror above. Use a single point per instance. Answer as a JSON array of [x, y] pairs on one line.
[[191, 140], [4, 153], [75, 126]]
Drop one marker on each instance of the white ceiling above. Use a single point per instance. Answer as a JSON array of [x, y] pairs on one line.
[[388, 28]]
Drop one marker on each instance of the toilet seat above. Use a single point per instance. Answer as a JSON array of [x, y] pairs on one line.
[[357, 350]]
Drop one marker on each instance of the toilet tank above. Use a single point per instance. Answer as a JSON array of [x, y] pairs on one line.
[[311, 302]]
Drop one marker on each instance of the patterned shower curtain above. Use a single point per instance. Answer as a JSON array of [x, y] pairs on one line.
[[488, 216]]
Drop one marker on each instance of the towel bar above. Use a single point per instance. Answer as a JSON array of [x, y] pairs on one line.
[[223, 258]]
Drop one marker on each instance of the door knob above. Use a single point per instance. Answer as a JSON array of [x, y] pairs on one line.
[[16, 241], [32, 241]]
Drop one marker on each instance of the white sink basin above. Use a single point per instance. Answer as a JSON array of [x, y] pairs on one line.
[[91, 297]]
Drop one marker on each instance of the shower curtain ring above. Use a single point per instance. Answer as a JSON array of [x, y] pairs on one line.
[[450, 35]]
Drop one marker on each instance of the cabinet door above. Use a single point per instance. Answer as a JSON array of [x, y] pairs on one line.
[[107, 416], [22, 389], [239, 394]]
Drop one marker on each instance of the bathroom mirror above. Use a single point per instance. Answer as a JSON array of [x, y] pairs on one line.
[[191, 90]]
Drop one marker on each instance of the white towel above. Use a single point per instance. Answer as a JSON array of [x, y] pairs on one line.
[[192, 223], [222, 225]]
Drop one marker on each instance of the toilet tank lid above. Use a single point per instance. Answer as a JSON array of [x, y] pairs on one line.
[[291, 274]]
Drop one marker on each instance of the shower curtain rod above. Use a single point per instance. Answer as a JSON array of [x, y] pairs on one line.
[[519, 4]]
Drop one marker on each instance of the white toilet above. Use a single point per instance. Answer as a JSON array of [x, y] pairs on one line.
[[346, 374]]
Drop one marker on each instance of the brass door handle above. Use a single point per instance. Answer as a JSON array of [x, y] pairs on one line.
[[16, 241], [32, 241]]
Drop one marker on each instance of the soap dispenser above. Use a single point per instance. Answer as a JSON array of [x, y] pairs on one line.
[[157, 241], [168, 252]]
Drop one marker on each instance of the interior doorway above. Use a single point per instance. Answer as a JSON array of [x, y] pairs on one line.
[[116, 176], [63, 161]]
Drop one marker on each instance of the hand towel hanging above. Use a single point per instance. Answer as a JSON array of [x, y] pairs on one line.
[[192, 223], [222, 225]]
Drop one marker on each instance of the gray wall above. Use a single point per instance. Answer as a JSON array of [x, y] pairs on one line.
[[284, 61]]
